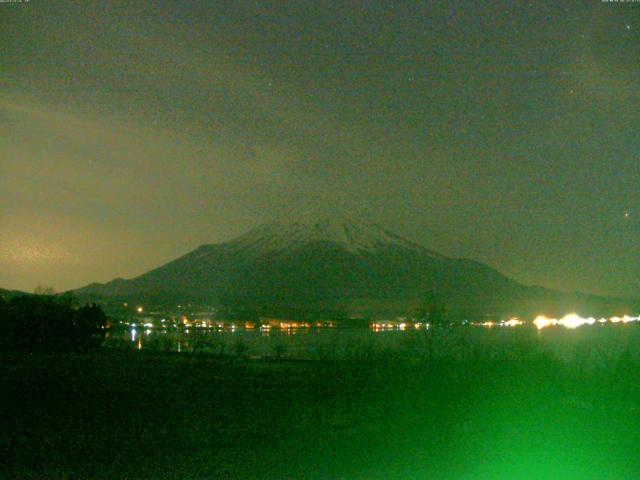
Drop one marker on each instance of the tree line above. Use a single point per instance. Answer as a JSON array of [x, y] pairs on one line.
[[50, 323]]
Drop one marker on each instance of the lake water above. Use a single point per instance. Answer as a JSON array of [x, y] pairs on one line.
[[595, 344]]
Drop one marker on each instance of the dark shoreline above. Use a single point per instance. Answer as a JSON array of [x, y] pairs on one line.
[[160, 415]]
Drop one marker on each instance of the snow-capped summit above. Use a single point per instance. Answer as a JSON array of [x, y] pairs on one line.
[[352, 234]]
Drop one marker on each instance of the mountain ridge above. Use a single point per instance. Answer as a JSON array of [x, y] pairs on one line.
[[331, 264]]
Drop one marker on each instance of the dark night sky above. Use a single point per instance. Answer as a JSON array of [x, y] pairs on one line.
[[507, 132]]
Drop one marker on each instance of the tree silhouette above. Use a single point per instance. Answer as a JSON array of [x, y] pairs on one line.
[[42, 290], [50, 323]]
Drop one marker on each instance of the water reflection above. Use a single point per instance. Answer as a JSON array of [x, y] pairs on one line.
[[399, 337]]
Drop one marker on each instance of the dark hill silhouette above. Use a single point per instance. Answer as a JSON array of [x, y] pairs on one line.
[[8, 294]]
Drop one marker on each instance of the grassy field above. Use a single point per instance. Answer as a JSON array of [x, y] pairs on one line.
[[516, 415]]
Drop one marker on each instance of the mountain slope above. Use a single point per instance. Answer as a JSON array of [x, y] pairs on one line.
[[325, 265]]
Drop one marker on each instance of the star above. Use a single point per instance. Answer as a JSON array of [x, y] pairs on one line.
[[627, 26], [627, 214]]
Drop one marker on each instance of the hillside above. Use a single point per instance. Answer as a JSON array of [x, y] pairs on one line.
[[336, 266]]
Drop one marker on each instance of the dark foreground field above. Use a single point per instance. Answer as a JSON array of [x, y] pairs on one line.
[[140, 415]]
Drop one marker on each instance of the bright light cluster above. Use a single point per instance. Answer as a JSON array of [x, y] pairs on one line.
[[394, 325], [573, 321], [513, 322]]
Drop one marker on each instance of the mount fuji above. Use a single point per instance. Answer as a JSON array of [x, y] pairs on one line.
[[330, 265]]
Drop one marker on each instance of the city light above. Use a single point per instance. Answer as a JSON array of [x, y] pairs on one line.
[[513, 322], [573, 321]]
